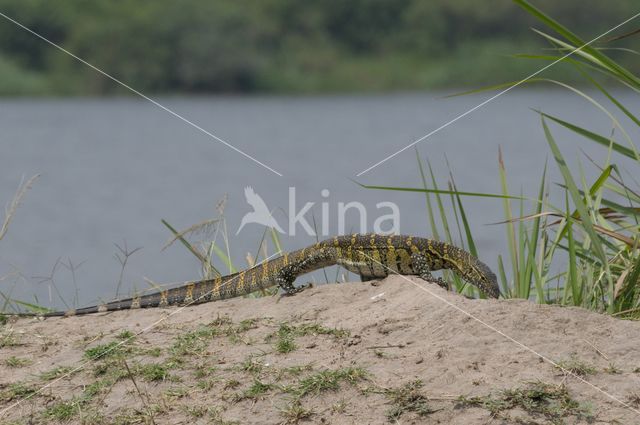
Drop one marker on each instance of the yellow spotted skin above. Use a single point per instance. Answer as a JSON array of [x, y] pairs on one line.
[[372, 256]]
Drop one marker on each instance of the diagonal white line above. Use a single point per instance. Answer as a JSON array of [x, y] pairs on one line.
[[151, 326], [480, 105], [131, 89], [515, 341]]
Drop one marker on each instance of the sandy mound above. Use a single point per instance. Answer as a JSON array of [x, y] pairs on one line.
[[349, 353]]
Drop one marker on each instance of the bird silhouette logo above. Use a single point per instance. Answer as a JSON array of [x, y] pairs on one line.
[[260, 213]]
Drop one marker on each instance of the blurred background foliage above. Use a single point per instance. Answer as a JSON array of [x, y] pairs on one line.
[[290, 46]]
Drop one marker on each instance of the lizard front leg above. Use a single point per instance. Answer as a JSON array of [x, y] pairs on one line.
[[288, 274], [421, 266], [285, 278]]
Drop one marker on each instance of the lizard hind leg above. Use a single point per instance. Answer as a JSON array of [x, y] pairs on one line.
[[421, 266], [375, 280], [364, 278]]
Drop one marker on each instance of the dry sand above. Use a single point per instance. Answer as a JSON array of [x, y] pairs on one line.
[[211, 364]]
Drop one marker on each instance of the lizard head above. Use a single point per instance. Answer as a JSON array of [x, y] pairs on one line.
[[481, 276]]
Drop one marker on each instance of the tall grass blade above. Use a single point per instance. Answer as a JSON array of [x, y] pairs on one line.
[[222, 255], [604, 141], [577, 41], [503, 278], [628, 297], [185, 242], [467, 229], [438, 191], [535, 238], [443, 214], [613, 100], [511, 234], [432, 221], [32, 307], [572, 280], [10, 210]]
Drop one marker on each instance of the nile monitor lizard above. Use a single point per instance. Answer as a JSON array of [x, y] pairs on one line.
[[371, 256]]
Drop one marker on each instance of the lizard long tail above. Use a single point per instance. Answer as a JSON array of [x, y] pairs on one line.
[[188, 293]]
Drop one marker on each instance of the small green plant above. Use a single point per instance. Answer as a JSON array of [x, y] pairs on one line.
[[576, 366], [203, 371], [194, 342], [285, 345], [340, 406], [206, 384], [125, 335], [286, 334], [64, 410], [294, 412], [251, 365], [612, 369], [294, 370], [195, 412], [327, 380], [153, 352], [256, 390], [407, 398], [153, 372], [56, 373], [177, 392], [98, 387], [17, 362], [17, 390], [102, 351], [9, 339]]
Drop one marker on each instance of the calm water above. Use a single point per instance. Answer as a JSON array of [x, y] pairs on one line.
[[112, 169]]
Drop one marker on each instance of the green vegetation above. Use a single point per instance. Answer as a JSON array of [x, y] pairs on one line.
[[285, 344], [125, 335], [101, 351], [17, 390], [9, 338], [552, 402], [56, 372], [256, 390], [154, 372], [195, 342], [576, 366], [294, 412], [286, 334], [17, 362], [407, 398], [276, 45], [62, 411], [327, 380], [586, 251]]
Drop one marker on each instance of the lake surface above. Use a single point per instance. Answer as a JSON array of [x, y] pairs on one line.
[[111, 169]]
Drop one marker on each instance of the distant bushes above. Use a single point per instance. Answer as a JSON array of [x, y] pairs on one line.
[[274, 45]]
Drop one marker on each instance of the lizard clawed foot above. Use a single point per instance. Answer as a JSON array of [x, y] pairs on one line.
[[442, 283], [290, 292]]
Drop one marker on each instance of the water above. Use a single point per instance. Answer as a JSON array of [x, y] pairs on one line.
[[111, 169]]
